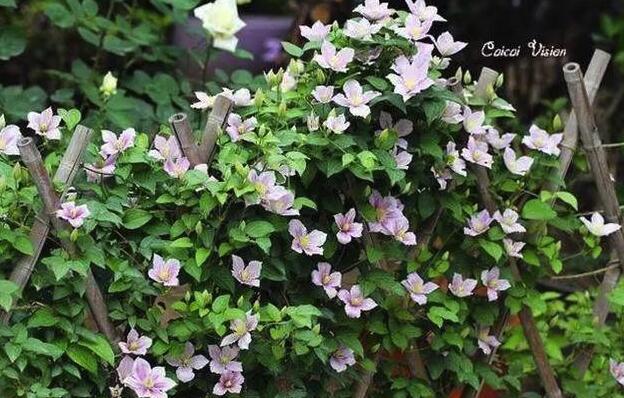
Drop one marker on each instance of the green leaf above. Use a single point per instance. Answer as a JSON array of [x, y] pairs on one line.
[[259, 229], [221, 303], [100, 347], [83, 357], [568, 198], [378, 83], [71, 117], [182, 243], [136, 218], [292, 49], [535, 209], [8, 3], [39, 347], [59, 14], [23, 245], [201, 255], [42, 318], [491, 248], [433, 109], [12, 42], [302, 315]]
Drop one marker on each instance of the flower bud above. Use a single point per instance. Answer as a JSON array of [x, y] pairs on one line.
[[499, 81], [259, 98], [240, 302], [2, 122], [109, 85], [74, 235], [17, 172], [313, 122], [467, 78], [281, 110], [296, 67], [557, 124], [320, 76], [199, 228], [256, 306], [273, 79], [489, 92]]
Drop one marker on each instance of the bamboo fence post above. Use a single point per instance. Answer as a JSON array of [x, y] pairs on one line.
[[531, 333], [593, 78], [216, 120], [597, 159], [32, 159], [184, 133], [39, 231]]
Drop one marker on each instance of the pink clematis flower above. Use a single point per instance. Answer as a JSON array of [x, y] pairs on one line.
[[241, 331], [303, 242], [461, 287], [508, 220], [498, 141], [478, 223], [347, 227], [177, 168], [341, 359], [417, 288], [237, 127], [452, 113], [187, 363], [403, 127], [399, 228], [247, 275], [135, 344], [323, 94], [597, 226], [540, 140], [361, 29], [45, 124], [124, 369], [165, 272], [9, 136], [280, 201], [401, 158], [322, 276], [240, 97], [447, 46], [74, 215], [204, 101], [415, 29], [103, 168], [355, 302], [355, 98], [477, 152], [316, 32], [165, 148], [229, 382], [473, 122], [330, 58], [336, 124], [491, 280], [518, 166], [453, 160], [114, 145], [386, 210], [147, 382], [410, 77], [222, 360], [423, 11], [442, 177], [513, 248], [374, 10], [487, 342], [617, 371]]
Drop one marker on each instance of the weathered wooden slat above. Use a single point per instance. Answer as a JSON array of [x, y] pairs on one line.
[[32, 159], [216, 120], [70, 164], [597, 159], [184, 133]]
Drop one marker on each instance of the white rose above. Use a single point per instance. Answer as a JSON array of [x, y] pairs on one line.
[[221, 20]]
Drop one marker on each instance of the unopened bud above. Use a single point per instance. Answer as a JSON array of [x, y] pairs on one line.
[[500, 80], [320, 76], [74, 235], [240, 301], [259, 98], [256, 306], [109, 85], [281, 110], [467, 78], [17, 172], [557, 124], [296, 67], [2, 122], [313, 122], [273, 79]]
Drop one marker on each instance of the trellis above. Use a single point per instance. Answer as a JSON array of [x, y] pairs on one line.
[[582, 92], [196, 152]]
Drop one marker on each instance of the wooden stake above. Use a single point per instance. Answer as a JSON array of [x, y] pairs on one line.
[[184, 133], [32, 159], [487, 79], [216, 120], [593, 78], [597, 159], [65, 174]]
